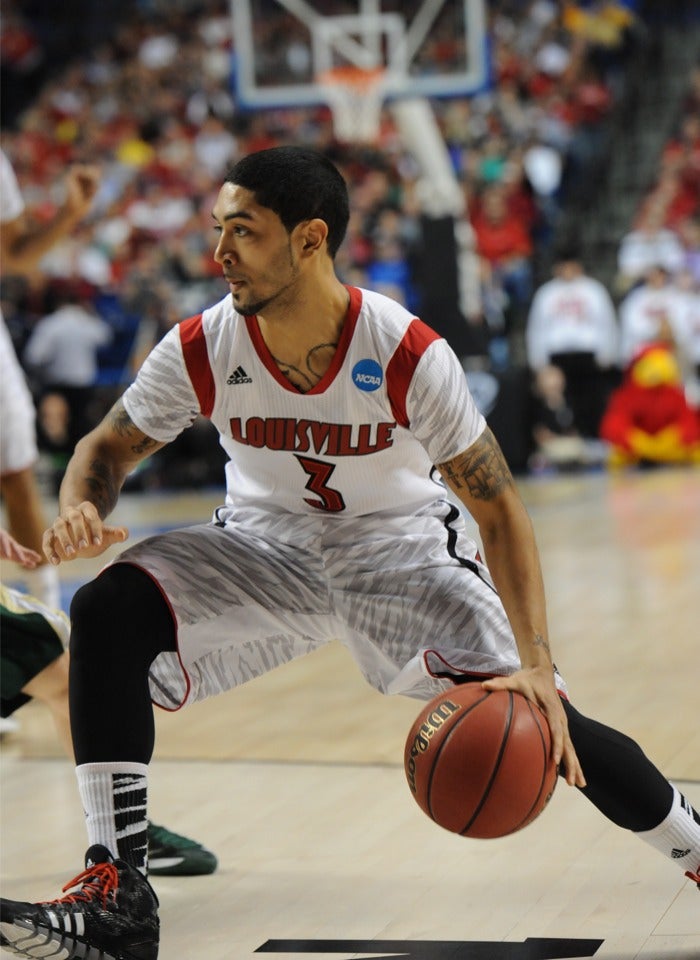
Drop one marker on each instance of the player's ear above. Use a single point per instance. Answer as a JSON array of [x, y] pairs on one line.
[[312, 236]]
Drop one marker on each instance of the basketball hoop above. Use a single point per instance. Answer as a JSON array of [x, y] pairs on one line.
[[355, 97]]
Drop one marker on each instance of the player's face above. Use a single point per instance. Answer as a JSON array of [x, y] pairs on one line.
[[255, 252]]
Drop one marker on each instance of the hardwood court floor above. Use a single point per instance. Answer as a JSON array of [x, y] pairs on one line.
[[296, 782]]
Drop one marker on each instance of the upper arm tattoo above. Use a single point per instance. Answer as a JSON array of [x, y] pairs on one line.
[[122, 424], [481, 470]]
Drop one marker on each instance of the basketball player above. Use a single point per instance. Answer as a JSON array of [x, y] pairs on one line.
[[34, 629], [22, 245], [334, 405]]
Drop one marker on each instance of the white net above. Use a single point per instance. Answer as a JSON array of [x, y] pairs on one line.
[[355, 97]]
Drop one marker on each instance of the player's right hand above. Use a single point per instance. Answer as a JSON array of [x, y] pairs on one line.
[[537, 685], [79, 532]]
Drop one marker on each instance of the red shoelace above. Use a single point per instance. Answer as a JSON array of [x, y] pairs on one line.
[[97, 881]]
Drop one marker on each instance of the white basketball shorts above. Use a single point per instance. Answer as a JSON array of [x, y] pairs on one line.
[[250, 591]]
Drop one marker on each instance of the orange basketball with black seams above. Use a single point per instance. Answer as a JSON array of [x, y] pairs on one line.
[[479, 762]]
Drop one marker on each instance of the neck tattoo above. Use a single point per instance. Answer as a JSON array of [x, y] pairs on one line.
[[312, 369]]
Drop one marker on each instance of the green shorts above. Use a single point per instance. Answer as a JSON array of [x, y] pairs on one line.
[[32, 636]]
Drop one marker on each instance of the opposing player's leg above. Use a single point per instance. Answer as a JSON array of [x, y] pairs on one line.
[[50, 687], [33, 657]]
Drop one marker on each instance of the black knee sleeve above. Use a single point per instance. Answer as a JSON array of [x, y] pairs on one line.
[[119, 625], [621, 781]]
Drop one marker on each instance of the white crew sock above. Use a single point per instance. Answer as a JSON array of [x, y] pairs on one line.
[[114, 799], [678, 836]]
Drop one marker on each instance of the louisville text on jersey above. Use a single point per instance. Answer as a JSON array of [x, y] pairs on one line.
[[300, 436]]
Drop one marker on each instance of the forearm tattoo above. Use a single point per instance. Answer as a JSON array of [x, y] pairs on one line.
[[316, 363], [540, 641], [104, 492], [102, 482], [481, 470]]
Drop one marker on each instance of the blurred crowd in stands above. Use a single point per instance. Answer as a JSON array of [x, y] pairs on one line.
[[154, 104]]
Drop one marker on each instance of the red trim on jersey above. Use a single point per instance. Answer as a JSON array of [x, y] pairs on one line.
[[194, 349], [338, 357], [402, 366]]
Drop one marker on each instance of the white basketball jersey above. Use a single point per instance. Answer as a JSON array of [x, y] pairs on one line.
[[364, 440]]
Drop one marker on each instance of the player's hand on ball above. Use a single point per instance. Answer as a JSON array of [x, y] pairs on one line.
[[537, 684], [79, 532]]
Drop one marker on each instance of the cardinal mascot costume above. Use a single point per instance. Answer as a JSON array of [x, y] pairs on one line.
[[648, 418]]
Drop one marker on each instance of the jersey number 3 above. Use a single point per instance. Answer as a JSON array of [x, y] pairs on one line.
[[319, 474]]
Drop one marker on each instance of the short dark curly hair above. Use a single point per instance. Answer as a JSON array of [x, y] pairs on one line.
[[298, 184]]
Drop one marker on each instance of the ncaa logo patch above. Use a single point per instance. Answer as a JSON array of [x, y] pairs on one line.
[[367, 375]]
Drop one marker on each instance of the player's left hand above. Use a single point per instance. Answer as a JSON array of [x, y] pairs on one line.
[[79, 531], [537, 684]]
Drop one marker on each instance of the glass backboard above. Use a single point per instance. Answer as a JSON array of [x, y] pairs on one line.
[[285, 49]]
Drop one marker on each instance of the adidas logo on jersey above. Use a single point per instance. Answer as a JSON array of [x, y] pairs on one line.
[[677, 854], [239, 376]]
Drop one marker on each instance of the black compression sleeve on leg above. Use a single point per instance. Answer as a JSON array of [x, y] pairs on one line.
[[620, 779], [120, 623]]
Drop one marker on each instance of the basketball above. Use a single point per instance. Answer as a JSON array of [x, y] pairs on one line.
[[479, 762]]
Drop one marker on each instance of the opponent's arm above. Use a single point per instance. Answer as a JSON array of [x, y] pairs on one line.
[[480, 477], [23, 244], [90, 489]]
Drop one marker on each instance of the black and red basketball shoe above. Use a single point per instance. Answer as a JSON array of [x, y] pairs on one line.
[[112, 916]]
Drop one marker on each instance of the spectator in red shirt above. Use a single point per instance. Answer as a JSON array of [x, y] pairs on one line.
[[505, 242]]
